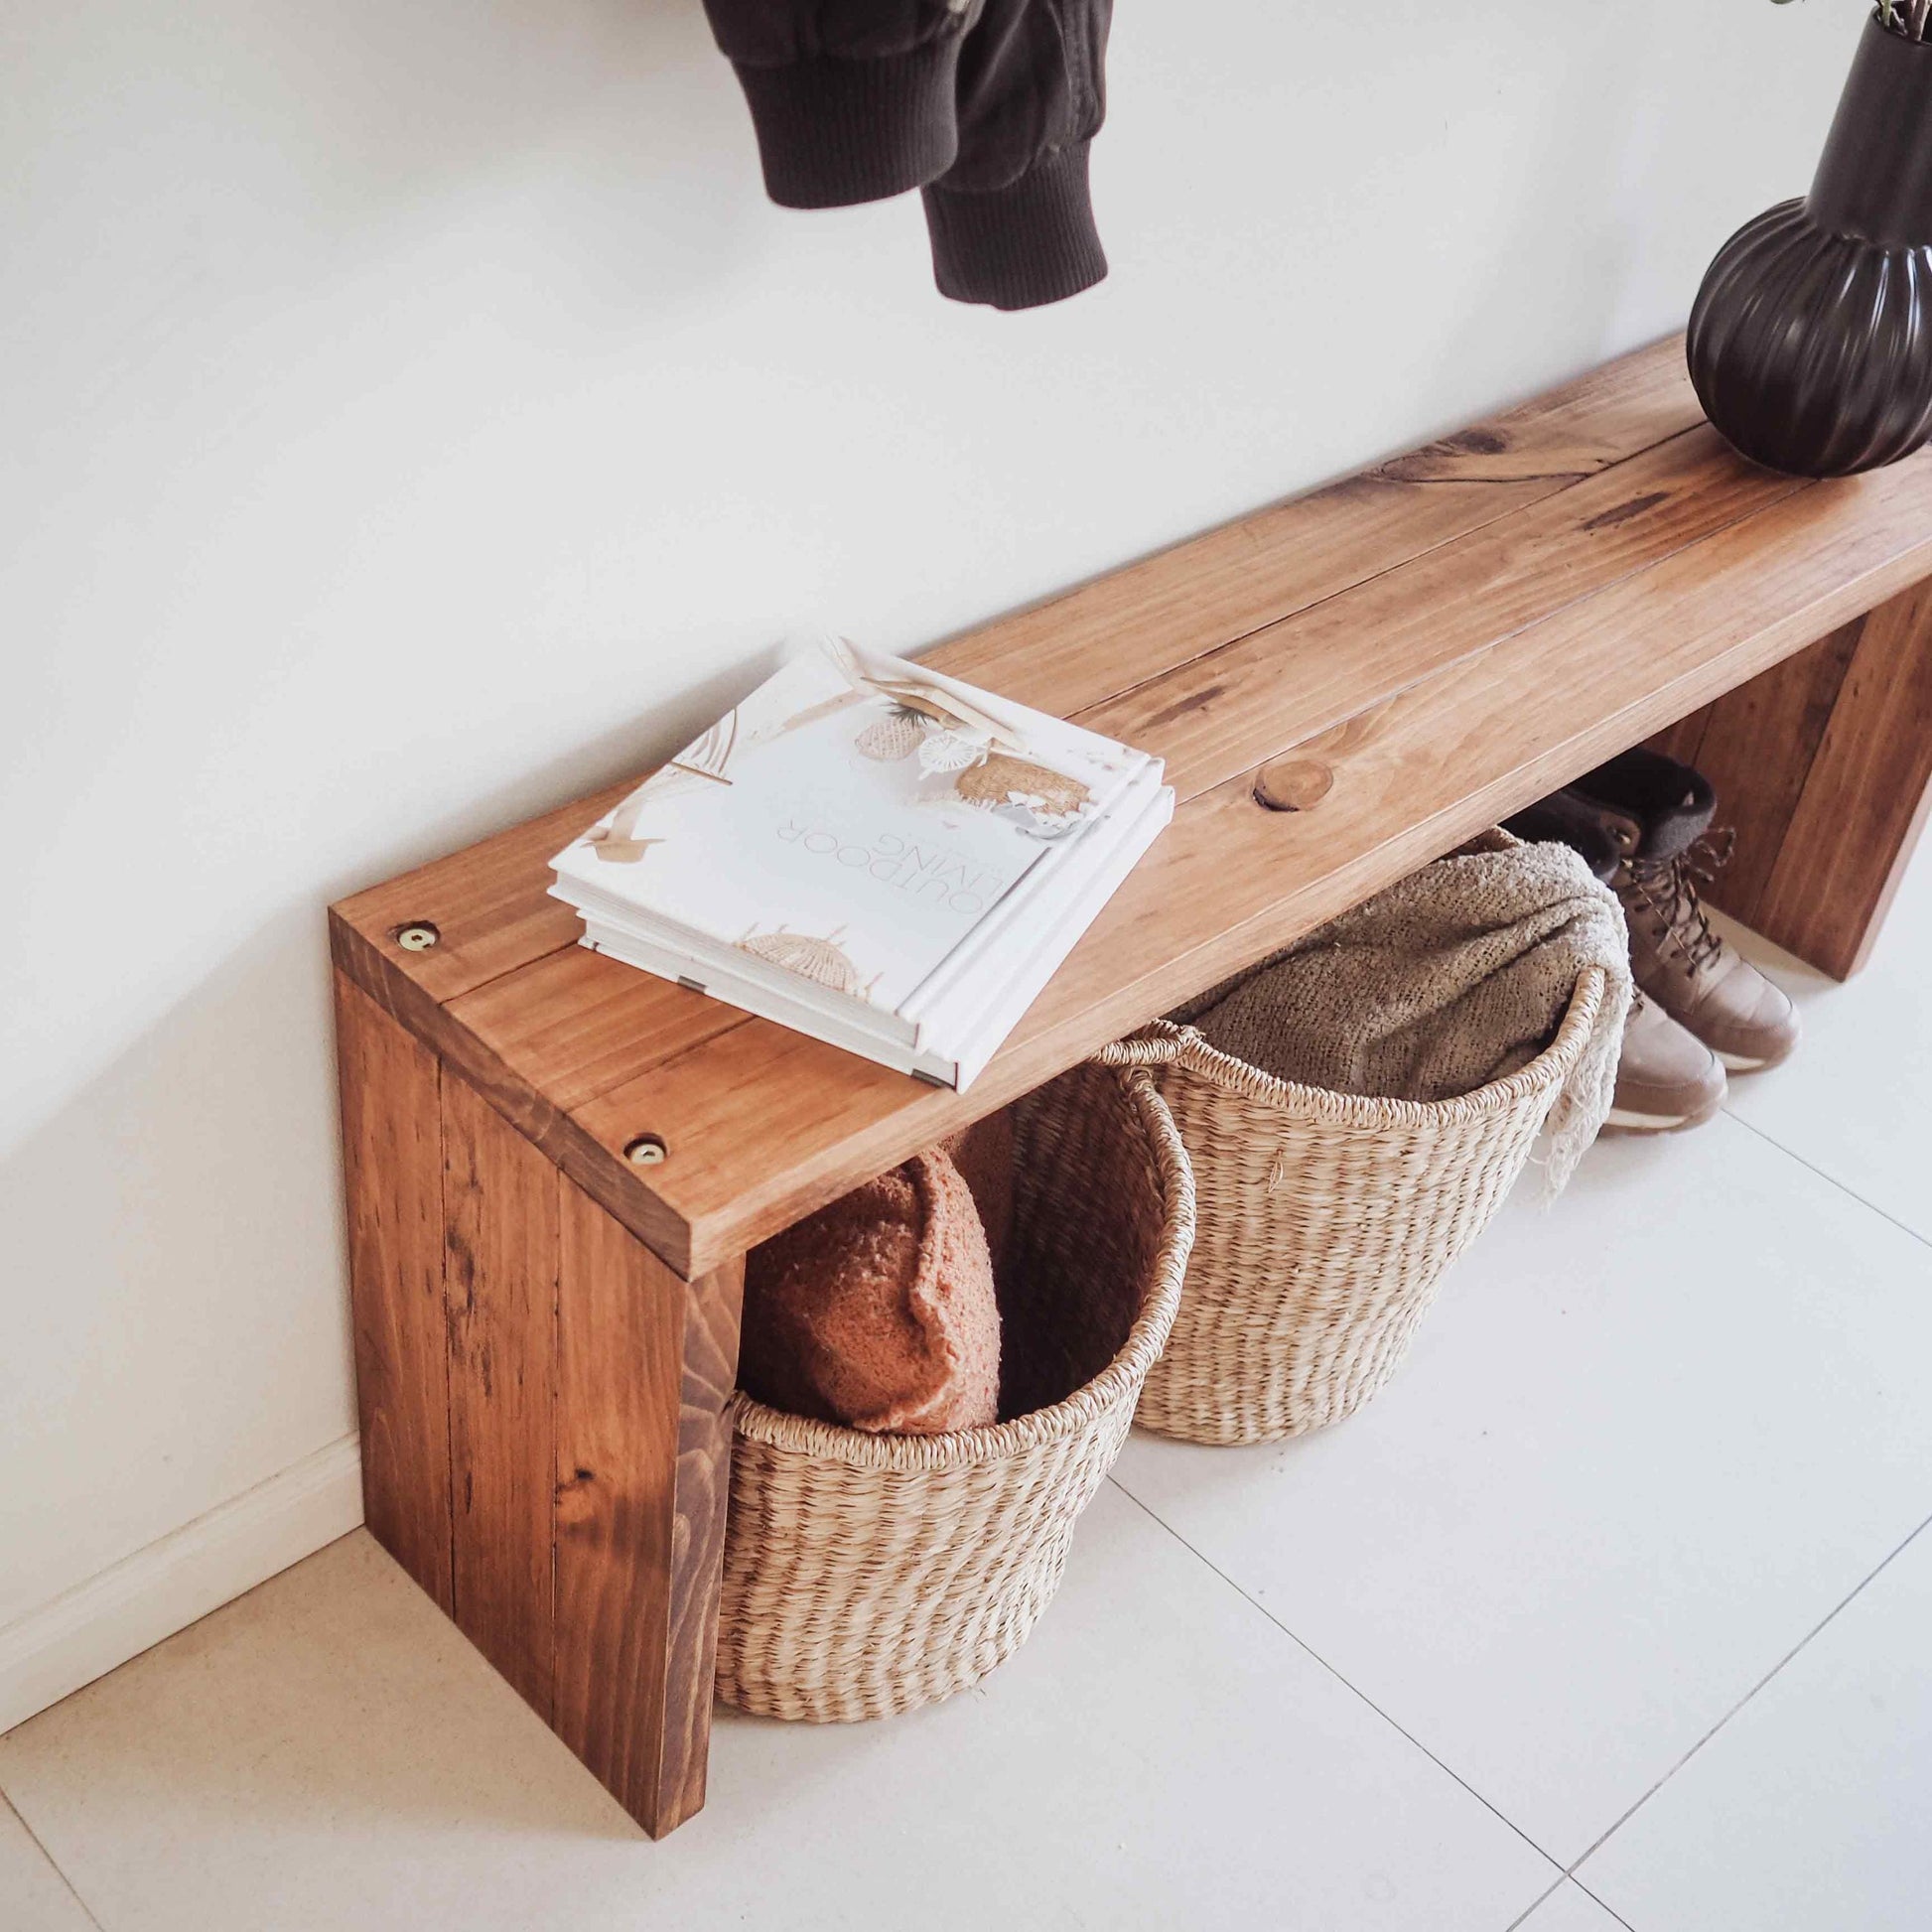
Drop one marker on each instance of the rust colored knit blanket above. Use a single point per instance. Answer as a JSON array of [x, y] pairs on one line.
[[878, 1311]]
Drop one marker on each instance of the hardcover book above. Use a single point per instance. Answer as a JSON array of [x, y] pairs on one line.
[[872, 852]]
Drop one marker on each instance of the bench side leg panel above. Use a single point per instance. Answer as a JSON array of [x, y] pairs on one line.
[[393, 1173], [1865, 797], [545, 1448], [500, 1275], [708, 1372], [1756, 744], [645, 1367], [1823, 764]]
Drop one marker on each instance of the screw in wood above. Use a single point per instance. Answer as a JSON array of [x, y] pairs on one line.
[[418, 935], [647, 1151]]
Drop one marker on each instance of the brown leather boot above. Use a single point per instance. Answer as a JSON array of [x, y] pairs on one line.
[[1666, 1079], [1659, 814]]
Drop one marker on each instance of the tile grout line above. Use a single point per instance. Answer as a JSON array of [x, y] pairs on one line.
[[54, 1864], [1571, 1879], [1566, 1880], [1536, 1904], [1856, 1591], [1353, 1689], [1831, 1180]]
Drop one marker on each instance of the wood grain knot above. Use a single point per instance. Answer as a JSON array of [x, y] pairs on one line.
[[1623, 512], [1294, 785]]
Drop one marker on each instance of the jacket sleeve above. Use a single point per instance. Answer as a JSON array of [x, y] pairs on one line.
[[852, 99], [1012, 222]]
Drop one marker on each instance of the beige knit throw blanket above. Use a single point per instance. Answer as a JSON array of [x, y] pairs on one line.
[[1451, 978]]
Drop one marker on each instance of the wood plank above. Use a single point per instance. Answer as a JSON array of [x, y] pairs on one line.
[[393, 1167], [762, 1126], [533, 1113], [575, 1023], [1865, 800], [1757, 749], [711, 1309], [490, 903], [645, 1364], [1227, 711], [713, 1109], [1136, 623], [617, 1336], [500, 1282]]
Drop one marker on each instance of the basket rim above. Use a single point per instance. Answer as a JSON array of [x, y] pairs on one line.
[[996, 1441], [1164, 1043]]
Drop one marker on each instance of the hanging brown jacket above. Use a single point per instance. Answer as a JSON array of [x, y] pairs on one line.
[[985, 105]]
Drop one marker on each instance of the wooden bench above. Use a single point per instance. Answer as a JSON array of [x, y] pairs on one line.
[[546, 1330]]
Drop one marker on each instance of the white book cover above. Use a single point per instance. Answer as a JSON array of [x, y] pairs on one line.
[[978, 1008], [1033, 912], [1000, 1004], [852, 822], [841, 1022]]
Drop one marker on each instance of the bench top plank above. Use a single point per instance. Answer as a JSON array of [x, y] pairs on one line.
[[1561, 581]]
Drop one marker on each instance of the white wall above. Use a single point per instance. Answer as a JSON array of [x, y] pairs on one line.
[[411, 416]]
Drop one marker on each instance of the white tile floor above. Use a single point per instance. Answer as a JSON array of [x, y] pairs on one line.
[[1614, 1609]]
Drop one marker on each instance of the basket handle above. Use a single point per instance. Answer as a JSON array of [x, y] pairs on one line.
[[1159, 1043]]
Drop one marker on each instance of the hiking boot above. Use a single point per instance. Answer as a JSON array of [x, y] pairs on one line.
[[1561, 820], [1658, 814], [1667, 1079]]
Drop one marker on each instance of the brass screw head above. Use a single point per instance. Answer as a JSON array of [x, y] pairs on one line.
[[417, 936], [647, 1151]]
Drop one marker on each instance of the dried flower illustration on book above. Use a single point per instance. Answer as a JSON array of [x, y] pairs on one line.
[[890, 738], [822, 961], [942, 748]]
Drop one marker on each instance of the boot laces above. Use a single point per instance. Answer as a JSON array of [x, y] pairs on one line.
[[1669, 888]]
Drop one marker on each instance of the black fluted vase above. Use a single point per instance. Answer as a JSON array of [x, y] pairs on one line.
[[1811, 342]]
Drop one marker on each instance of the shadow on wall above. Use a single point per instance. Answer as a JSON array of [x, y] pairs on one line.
[[176, 1322], [206, 1156], [189, 1335]]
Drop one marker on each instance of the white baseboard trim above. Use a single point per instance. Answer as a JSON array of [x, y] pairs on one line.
[[88, 1631]]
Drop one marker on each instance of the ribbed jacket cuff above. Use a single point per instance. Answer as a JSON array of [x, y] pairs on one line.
[[1015, 248], [833, 132]]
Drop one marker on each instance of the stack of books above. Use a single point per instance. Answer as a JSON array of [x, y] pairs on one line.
[[870, 852]]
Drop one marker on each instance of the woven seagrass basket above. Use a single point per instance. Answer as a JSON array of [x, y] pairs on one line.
[[1325, 1221], [866, 1575]]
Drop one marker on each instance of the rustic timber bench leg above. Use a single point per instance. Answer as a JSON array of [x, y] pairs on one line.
[[1824, 764], [544, 1444]]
